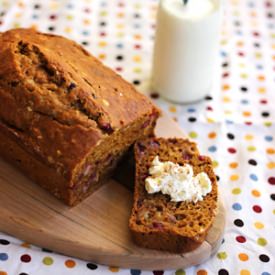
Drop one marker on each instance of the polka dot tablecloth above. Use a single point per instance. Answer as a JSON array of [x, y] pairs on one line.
[[235, 125]]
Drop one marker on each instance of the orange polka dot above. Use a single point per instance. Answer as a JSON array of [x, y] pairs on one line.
[[271, 165], [246, 113], [225, 87], [86, 22], [26, 245], [234, 177], [256, 193], [240, 43], [253, 14], [233, 165], [137, 58], [212, 135], [3, 273], [243, 257], [120, 15], [202, 272], [70, 263], [137, 36], [245, 272], [270, 151], [172, 109], [113, 269], [261, 78]]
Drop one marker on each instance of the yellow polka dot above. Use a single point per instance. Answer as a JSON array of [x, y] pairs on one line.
[[215, 163], [226, 99], [251, 148], [246, 113], [249, 137], [268, 124], [18, 15], [69, 17], [241, 65], [193, 135], [271, 165], [172, 109], [245, 272], [272, 35], [68, 30], [137, 58], [137, 70], [113, 269], [243, 257], [202, 272], [273, 211], [228, 112], [258, 55], [236, 191], [120, 34], [120, 26], [270, 151], [256, 193], [102, 56], [233, 165], [259, 225], [70, 263], [212, 135], [234, 177], [262, 241], [210, 120], [223, 42], [262, 90], [102, 44], [244, 75], [222, 255]]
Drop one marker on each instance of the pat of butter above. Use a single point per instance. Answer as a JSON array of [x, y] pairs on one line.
[[177, 181]]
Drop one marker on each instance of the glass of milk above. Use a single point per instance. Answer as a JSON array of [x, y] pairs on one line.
[[186, 48]]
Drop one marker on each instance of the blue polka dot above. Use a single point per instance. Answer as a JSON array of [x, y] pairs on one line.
[[259, 67], [237, 206], [253, 177], [119, 45], [191, 110], [35, 16], [240, 33], [212, 149], [137, 26], [70, 6], [229, 122], [268, 138], [224, 54], [135, 272], [244, 101], [85, 32], [270, 26], [265, 273], [3, 256], [103, 4]]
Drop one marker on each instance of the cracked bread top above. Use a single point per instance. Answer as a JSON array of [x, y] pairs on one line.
[[58, 100]]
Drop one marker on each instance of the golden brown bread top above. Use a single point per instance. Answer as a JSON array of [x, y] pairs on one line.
[[58, 100]]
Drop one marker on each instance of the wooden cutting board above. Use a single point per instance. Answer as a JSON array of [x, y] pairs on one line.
[[97, 229]]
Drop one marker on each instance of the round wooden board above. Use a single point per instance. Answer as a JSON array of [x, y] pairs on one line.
[[97, 229]]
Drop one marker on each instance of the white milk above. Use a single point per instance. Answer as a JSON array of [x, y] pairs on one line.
[[186, 47]]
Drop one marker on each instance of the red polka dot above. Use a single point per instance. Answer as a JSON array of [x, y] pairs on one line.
[[271, 180], [225, 75], [248, 123], [87, 10], [102, 34], [232, 150], [241, 54], [119, 69], [53, 17], [257, 208], [209, 108], [137, 47], [25, 258], [263, 101], [241, 239], [256, 34]]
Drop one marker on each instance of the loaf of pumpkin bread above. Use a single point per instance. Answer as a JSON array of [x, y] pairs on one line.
[[156, 221], [65, 118]]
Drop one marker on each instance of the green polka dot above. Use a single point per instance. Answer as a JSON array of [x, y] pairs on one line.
[[180, 272], [251, 148], [47, 261], [193, 135], [215, 163], [236, 191], [222, 255], [262, 242], [268, 124]]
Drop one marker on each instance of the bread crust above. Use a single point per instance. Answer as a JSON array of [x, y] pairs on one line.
[[60, 105]]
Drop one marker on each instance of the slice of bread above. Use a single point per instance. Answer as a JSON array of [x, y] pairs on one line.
[[158, 223]]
